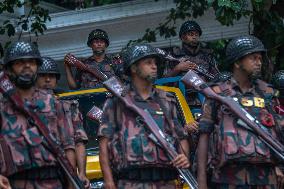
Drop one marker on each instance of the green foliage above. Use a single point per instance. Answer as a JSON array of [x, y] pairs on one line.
[[33, 22], [267, 23]]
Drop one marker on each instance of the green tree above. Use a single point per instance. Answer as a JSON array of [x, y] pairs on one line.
[[33, 21], [266, 17]]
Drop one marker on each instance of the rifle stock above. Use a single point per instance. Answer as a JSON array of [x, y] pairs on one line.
[[117, 89], [71, 60], [95, 114], [8, 89], [193, 80]]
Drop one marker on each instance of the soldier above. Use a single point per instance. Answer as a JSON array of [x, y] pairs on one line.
[[28, 162], [192, 52], [278, 83], [98, 40], [128, 158], [239, 159], [48, 76]]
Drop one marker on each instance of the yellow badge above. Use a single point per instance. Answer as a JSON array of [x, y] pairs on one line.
[[246, 102], [259, 102]]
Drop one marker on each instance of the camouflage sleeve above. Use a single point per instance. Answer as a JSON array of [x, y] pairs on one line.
[[178, 127], [206, 123], [77, 122], [107, 126], [65, 129]]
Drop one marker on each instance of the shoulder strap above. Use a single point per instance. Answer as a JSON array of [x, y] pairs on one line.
[[167, 112], [261, 89]]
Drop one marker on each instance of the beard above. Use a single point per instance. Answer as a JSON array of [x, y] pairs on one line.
[[25, 81], [255, 75], [98, 52], [147, 77], [192, 44]]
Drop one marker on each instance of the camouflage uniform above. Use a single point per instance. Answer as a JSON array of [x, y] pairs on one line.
[[202, 57], [86, 80], [28, 148], [71, 110], [136, 160], [239, 171]]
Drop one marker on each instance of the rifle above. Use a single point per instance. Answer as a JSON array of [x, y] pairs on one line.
[[8, 90], [248, 121], [95, 114], [117, 89], [198, 68]]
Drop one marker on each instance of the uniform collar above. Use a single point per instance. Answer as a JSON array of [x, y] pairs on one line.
[[91, 59], [133, 92], [236, 87], [188, 52]]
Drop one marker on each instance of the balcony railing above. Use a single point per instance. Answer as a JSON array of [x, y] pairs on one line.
[[81, 4]]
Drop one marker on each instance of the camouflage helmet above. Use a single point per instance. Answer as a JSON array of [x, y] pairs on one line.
[[278, 80], [189, 26], [49, 66], [20, 50], [98, 34], [137, 52], [241, 46]]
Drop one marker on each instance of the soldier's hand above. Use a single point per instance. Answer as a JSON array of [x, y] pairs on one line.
[[109, 185], [85, 180], [280, 178], [4, 183], [192, 127], [185, 66], [181, 161]]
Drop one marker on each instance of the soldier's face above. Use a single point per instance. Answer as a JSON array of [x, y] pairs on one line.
[[46, 81], [98, 45], [25, 67], [251, 64], [190, 38], [147, 69]]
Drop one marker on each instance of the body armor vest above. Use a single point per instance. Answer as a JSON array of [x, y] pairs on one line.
[[23, 143], [231, 142], [132, 146]]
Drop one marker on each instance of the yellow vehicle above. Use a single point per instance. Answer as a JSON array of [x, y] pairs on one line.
[[88, 98]]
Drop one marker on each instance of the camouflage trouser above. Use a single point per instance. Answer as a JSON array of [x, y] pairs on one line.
[[129, 184], [36, 184], [231, 186]]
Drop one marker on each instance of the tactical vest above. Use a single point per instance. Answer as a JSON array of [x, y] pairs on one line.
[[23, 147], [232, 143], [132, 146]]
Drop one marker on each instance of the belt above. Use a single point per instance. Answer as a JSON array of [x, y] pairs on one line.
[[148, 174], [43, 173]]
